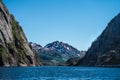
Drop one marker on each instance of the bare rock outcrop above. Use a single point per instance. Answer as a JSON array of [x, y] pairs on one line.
[[105, 50], [14, 47]]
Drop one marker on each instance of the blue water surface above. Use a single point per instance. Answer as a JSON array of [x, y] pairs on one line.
[[59, 73]]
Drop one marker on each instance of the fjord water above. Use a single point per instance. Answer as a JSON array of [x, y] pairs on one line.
[[59, 73]]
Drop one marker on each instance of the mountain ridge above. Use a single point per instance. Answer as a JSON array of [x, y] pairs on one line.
[[105, 50], [58, 53]]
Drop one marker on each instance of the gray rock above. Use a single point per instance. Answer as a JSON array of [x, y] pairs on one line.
[[14, 47], [105, 50]]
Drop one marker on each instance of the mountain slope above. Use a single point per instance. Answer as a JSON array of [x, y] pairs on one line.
[[58, 53], [14, 47], [61, 47], [106, 49]]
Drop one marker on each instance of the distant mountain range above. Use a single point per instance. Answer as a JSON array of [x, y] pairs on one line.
[[16, 51], [105, 50], [58, 53]]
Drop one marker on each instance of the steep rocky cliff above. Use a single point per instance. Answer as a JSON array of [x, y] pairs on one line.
[[14, 48], [106, 49]]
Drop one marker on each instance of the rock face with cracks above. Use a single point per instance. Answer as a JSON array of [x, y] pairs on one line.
[[14, 47]]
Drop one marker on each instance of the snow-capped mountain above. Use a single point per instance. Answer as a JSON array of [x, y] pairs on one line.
[[64, 48], [57, 53]]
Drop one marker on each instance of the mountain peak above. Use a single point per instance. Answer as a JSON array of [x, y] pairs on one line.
[[58, 45], [53, 44], [58, 52]]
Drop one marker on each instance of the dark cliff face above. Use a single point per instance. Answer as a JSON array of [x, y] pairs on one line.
[[14, 48], [58, 53], [106, 49]]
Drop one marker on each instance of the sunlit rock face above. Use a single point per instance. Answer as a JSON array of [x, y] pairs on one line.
[[105, 50], [14, 47]]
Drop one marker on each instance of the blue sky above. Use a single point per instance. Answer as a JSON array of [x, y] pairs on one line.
[[76, 22]]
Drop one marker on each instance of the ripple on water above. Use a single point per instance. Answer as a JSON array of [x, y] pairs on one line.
[[59, 73]]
